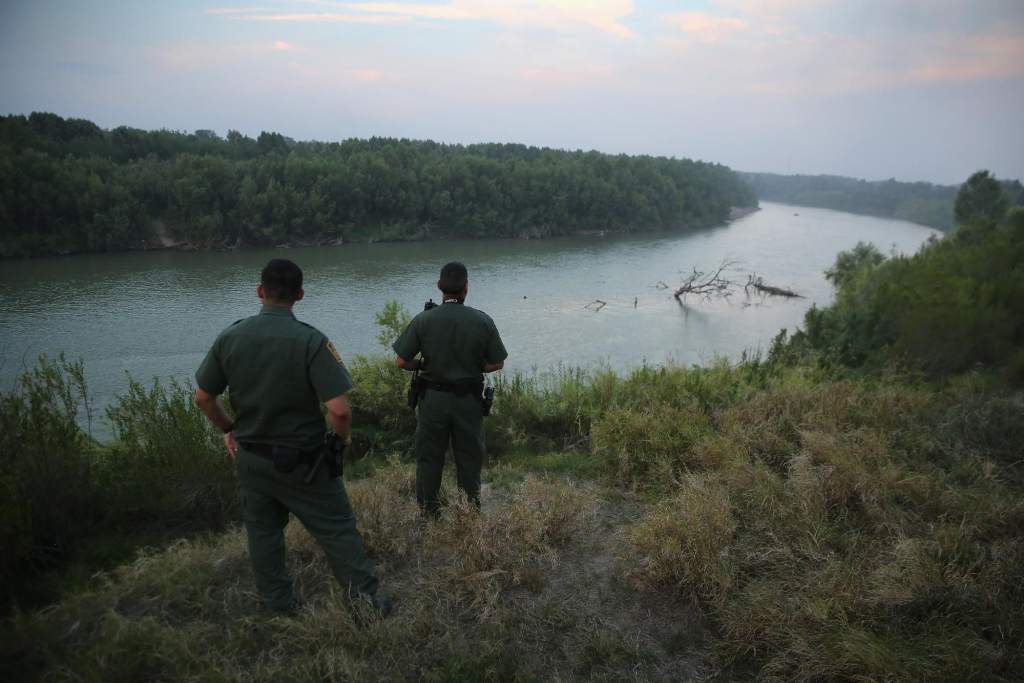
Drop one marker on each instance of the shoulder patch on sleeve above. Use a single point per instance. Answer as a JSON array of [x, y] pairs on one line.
[[334, 351]]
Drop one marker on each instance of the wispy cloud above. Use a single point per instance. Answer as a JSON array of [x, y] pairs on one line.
[[707, 27], [605, 16], [368, 75], [282, 46], [984, 57], [327, 18], [228, 11]]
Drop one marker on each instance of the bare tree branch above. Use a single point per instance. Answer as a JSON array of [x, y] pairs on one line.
[[706, 285]]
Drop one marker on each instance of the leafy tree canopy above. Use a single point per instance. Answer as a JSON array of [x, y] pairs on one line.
[[67, 185]]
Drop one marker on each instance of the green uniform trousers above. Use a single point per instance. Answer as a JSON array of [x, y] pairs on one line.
[[323, 508], [443, 418]]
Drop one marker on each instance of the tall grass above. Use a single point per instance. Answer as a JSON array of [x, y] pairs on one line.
[[187, 612], [65, 492], [853, 531], [47, 468], [166, 461]]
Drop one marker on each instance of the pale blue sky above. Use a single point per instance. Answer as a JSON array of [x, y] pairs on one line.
[[915, 89]]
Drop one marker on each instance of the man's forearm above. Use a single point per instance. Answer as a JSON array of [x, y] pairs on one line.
[[215, 413], [491, 367], [410, 365], [341, 424]]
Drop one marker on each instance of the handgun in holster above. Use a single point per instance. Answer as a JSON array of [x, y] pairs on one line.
[[331, 456]]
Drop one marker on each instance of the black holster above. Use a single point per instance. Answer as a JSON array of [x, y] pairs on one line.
[[331, 456], [334, 449], [486, 401], [417, 385]]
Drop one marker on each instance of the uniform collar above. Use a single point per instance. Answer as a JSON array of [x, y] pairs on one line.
[[272, 309]]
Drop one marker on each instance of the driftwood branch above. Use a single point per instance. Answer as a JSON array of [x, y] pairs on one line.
[[758, 284], [706, 285]]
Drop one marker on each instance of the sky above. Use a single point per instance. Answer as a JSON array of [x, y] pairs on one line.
[[912, 89]]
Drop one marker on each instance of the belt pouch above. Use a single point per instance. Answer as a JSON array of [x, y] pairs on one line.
[[285, 458]]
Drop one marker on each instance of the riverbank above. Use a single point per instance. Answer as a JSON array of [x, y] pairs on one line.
[[161, 240], [749, 521]]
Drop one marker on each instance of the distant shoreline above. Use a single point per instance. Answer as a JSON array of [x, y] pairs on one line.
[[163, 243]]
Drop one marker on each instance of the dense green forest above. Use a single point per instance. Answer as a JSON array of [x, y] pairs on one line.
[[922, 203], [66, 185]]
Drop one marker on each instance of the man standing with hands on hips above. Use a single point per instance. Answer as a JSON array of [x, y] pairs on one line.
[[457, 344], [279, 371]]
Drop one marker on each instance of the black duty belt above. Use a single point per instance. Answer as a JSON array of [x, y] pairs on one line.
[[266, 450], [460, 389]]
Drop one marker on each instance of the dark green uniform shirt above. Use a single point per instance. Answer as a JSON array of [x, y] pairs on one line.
[[455, 340], [279, 370]]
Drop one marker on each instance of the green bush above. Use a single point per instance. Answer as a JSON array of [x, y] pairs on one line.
[[46, 472], [956, 305], [167, 460]]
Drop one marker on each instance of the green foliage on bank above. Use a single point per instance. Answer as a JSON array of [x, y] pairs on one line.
[[956, 305], [67, 496], [923, 203], [67, 185]]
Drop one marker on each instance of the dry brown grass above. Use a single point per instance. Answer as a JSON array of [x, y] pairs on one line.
[[478, 597], [862, 540], [683, 541], [512, 545], [840, 531]]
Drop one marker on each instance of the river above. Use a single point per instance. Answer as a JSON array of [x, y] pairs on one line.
[[155, 314]]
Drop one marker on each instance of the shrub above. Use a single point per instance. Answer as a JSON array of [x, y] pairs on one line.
[[382, 421], [46, 471], [954, 305], [168, 462]]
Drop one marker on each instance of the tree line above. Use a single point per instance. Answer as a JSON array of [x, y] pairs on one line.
[[919, 202], [67, 185], [955, 306]]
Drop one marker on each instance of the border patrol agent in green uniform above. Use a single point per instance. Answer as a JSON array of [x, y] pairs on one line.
[[279, 370], [457, 344]]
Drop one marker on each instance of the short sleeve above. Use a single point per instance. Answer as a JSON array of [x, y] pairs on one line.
[[210, 376], [495, 351], [329, 376], [408, 343]]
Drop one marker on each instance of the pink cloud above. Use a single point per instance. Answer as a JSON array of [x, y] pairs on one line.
[[708, 28], [282, 46], [367, 75], [983, 57]]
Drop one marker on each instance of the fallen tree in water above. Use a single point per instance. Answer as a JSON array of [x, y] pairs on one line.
[[758, 284], [708, 285]]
